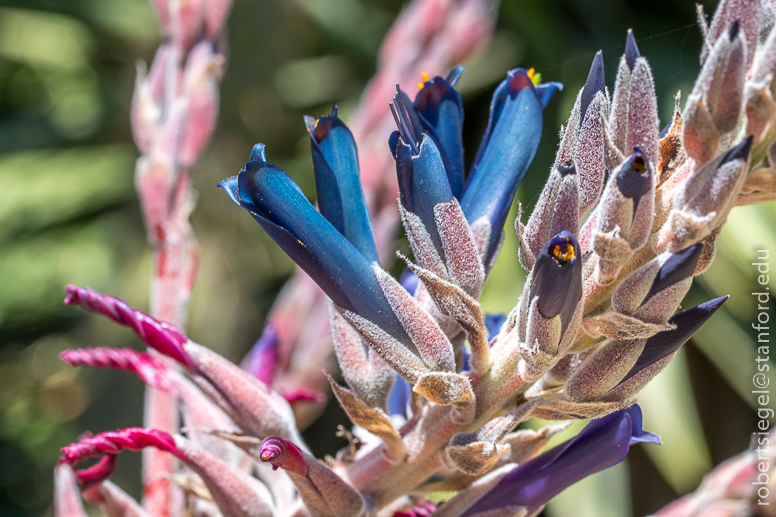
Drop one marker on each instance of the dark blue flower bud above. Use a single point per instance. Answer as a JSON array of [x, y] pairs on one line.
[[557, 278], [399, 397], [507, 148], [631, 50], [341, 270], [603, 443], [340, 195], [679, 266], [667, 342], [595, 83]]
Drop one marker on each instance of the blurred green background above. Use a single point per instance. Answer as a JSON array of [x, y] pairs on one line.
[[68, 214]]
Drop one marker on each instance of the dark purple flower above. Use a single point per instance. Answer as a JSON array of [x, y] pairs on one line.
[[603, 443]]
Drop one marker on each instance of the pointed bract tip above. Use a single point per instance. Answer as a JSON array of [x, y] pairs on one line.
[[734, 29], [258, 153], [631, 50], [403, 122], [596, 82], [739, 152]]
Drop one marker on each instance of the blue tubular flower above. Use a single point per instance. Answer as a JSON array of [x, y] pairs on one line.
[[340, 195], [344, 274], [441, 110], [507, 148], [603, 443], [420, 169], [667, 342]]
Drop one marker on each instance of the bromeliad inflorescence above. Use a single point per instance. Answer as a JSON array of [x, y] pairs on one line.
[[627, 218]]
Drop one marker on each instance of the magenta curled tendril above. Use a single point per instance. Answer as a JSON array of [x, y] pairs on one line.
[[281, 453], [109, 444], [150, 369], [162, 337]]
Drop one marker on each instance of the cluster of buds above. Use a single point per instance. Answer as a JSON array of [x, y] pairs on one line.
[[435, 387]]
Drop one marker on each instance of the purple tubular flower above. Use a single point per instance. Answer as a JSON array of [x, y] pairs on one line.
[[557, 278], [340, 195], [507, 148], [264, 355], [440, 108], [603, 443], [667, 342], [631, 50], [277, 203]]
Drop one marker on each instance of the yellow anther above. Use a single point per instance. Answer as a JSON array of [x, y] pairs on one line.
[[531, 72], [424, 77], [563, 252], [534, 77]]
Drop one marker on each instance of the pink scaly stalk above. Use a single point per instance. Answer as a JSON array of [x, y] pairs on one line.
[[429, 36], [174, 112]]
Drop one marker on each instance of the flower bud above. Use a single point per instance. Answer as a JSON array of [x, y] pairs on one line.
[[550, 308], [624, 217], [702, 201], [557, 210]]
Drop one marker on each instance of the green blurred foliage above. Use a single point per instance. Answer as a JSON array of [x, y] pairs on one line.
[[68, 214]]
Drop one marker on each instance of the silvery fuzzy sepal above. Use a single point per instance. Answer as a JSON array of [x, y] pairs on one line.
[[582, 141], [550, 308], [623, 220], [633, 119], [646, 299], [557, 210], [702, 201], [715, 104]]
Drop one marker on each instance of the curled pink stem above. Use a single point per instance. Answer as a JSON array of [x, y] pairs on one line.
[[111, 443], [281, 453], [162, 337], [150, 369]]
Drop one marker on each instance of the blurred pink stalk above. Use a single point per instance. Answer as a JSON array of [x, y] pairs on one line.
[[429, 36], [174, 111]]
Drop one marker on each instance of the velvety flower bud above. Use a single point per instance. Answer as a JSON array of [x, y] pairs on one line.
[[557, 210], [668, 342], [715, 104], [340, 195], [551, 305], [507, 148], [440, 107], [633, 120], [582, 142], [601, 444], [747, 14], [624, 217], [701, 203], [281, 453], [147, 99]]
